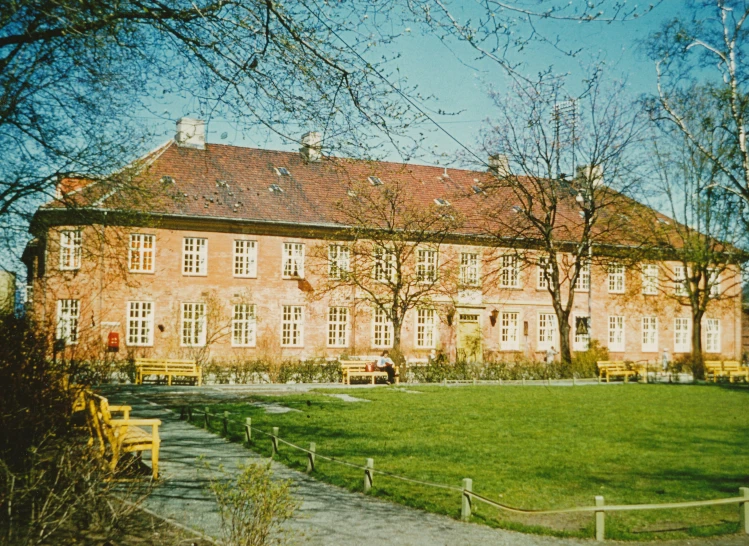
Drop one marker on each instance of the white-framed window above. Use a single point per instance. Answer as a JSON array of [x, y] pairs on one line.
[[70, 249], [292, 326], [339, 261], [582, 282], [140, 323], [337, 326], [682, 335], [650, 279], [649, 334], [193, 324], [616, 334], [382, 329], [713, 282], [712, 335], [425, 329], [384, 264], [293, 260], [582, 333], [509, 336], [543, 273], [68, 312], [616, 279], [470, 273], [680, 280], [243, 325], [547, 331], [142, 253], [509, 276], [245, 258], [426, 265], [194, 256]]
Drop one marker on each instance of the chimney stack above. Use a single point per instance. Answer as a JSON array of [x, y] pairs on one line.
[[190, 133], [311, 148], [499, 165], [592, 173]]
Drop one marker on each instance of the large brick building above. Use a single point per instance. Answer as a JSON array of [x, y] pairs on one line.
[[220, 267]]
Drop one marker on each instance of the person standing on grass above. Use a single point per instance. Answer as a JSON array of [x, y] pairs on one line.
[[665, 358], [386, 364], [550, 354]]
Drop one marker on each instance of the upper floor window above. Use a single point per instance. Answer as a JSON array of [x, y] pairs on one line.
[[384, 264], [469, 269], [510, 273], [140, 323], [426, 265], [194, 256], [650, 279], [680, 280], [243, 325], [70, 249], [141, 257], [713, 282], [616, 279], [245, 258], [293, 260], [68, 312], [193, 324], [583, 277], [338, 261], [543, 273], [292, 324]]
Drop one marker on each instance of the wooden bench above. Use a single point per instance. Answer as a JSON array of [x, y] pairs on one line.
[[167, 368], [614, 368], [123, 435], [358, 368], [730, 369]]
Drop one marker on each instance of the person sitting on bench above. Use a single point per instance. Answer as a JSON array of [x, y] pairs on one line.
[[386, 364]]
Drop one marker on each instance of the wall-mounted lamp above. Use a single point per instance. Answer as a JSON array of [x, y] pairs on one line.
[[450, 316], [493, 317]]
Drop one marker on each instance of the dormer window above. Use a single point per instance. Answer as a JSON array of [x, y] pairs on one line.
[[477, 189], [375, 181], [167, 179], [222, 183], [442, 202], [275, 188], [282, 171], [516, 209]]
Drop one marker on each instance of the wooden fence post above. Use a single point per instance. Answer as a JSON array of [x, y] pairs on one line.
[[311, 457], [226, 423], [465, 506], [744, 509], [274, 442], [189, 413], [248, 429], [600, 520], [573, 380], [206, 418], [368, 475]]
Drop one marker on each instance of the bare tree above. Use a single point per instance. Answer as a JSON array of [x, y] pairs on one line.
[[545, 218]]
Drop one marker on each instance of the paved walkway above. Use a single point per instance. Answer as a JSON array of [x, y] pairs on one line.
[[328, 515]]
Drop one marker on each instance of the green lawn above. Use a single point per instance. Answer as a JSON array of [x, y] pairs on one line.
[[532, 447]]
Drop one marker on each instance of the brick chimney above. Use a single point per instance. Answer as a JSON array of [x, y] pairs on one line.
[[594, 173], [67, 183], [499, 165], [190, 133], [311, 148]]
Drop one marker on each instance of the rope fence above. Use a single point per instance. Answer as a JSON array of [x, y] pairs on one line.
[[466, 490]]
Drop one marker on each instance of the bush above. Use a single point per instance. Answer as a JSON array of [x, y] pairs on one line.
[[267, 371]]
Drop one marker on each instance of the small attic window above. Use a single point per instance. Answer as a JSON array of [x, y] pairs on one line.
[[282, 171], [375, 181], [351, 193], [477, 189], [515, 208], [275, 188], [442, 202], [167, 179], [222, 183], [663, 221]]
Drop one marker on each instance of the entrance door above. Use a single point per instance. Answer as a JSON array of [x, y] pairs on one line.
[[469, 338]]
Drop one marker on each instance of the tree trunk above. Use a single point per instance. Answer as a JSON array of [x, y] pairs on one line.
[[565, 353], [698, 363], [395, 353]]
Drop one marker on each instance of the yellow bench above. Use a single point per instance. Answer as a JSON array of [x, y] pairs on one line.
[[123, 435], [358, 368], [167, 368], [731, 369], [614, 368]]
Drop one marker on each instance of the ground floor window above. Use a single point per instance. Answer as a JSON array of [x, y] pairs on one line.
[[582, 333], [616, 334], [243, 325], [337, 327], [649, 334], [712, 335], [68, 312], [193, 324], [292, 326], [140, 323], [547, 331], [682, 335], [382, 329], [425, 335], [509, 339]]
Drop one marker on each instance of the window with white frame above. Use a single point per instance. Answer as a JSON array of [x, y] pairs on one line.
[[509, 337], [713, 282], [193, 324], [583, 277], [384, 264], [140, 323], [425, 329], [426, 265], [616, 334], [582, 333], [682, 335], [509, 276], [243, 325], [547, 330], [543, 270], [712, 335], [68, 312], [339, 258], [650, 279], [70, 249], [292, 326], [337, 326], [616, 279], [680, 280], [194, 256], [141, 257], [293, 260], [469, 269], [649, 334], [245, 258], [382, 329]]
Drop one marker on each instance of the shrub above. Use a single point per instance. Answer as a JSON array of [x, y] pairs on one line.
[[265, 371]]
